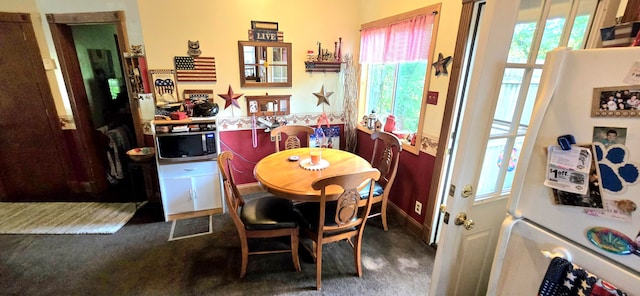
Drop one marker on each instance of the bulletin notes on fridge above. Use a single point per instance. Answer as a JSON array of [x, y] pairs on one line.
[[568, 170]]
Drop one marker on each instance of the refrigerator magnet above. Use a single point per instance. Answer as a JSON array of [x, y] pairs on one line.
[[612, 241]]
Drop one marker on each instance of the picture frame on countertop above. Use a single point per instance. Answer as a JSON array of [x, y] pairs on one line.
[[619, 101]]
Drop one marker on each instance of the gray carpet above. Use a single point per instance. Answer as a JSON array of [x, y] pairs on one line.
[[138, 260]]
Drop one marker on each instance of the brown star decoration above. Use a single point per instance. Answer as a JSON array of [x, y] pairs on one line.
[[230, 98], [441, 64], [323, 96]]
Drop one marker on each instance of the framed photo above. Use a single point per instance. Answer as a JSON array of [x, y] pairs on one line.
[[264, 25], [621, 101], [164, 86], [609, 135]]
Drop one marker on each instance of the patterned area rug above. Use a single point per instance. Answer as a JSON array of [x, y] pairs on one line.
[[64, 217]]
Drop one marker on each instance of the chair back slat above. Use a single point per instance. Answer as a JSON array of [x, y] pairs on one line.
[[291, 134], [348, 212], [386, 155]]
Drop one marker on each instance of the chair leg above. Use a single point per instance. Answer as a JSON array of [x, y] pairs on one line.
[[383, 214], [358, 254], [294, 249], [245, 257], [319, 267]]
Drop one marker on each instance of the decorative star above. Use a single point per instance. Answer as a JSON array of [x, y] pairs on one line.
[[441, 64], [230, 98], [323, 96]]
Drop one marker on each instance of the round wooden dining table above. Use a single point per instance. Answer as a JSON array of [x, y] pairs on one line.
[[286, 178]]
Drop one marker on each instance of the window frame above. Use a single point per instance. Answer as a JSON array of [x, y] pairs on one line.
[[363, 69]]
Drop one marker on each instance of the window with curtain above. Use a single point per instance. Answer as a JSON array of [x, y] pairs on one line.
[[394, 56]]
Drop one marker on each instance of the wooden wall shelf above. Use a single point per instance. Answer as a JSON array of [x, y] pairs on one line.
[[322, 66], [268, 105]]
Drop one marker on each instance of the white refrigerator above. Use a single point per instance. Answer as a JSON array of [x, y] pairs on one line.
[[595, 230]]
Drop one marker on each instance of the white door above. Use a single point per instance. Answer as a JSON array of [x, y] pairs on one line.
[[497, 90]]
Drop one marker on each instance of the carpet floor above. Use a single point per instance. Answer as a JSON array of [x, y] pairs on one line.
[[64, 217], [139, 260]]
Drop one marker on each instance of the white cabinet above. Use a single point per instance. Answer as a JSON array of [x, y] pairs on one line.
[[190, 189]]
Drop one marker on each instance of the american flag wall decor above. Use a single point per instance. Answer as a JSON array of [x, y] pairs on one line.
[[195, 68]]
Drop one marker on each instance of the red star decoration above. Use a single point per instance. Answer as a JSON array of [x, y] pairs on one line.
[[230, 98]]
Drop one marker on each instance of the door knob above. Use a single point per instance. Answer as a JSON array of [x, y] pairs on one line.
[[467, 191], [461, 219]]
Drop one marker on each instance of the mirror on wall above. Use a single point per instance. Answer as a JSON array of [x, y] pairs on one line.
[[264, 64]]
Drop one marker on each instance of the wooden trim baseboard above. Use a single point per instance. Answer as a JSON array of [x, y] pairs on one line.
[[404, 219]]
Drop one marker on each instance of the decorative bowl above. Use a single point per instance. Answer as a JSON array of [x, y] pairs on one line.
[[142, 154]]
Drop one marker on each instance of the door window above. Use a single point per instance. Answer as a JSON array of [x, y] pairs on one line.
[[541, 27]]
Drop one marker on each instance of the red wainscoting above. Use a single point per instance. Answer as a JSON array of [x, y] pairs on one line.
[[413, 180], [245, 156]]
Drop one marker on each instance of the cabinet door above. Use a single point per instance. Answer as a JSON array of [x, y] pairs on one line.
[[207, 192], [177, 195]]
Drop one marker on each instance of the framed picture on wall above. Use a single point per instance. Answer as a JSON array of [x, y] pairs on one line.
[[620, 101], [164, 86]]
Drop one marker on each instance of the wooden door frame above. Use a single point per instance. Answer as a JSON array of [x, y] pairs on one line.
[[460, 51], [40, 80], [84, 135]]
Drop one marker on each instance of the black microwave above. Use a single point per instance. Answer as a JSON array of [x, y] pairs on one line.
[[186, 146]]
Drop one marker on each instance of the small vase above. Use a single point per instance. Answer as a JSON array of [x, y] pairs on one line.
[[390, 125]]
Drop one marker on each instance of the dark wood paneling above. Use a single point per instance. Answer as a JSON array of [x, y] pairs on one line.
[[33, 158]]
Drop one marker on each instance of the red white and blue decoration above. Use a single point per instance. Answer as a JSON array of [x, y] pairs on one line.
[[566, 278]]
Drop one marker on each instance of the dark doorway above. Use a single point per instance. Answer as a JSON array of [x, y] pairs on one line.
[[89, 47]]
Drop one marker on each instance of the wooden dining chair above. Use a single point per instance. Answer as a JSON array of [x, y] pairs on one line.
[[265, 217], [291, 133], [386, 154], [332, 221]]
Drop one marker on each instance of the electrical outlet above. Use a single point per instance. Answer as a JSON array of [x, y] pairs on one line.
[[418, 208], [432, 97]]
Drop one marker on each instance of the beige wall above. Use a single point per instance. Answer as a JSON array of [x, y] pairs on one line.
[[219, 25]]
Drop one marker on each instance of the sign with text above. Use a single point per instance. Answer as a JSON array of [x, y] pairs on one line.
[[265, 35]]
